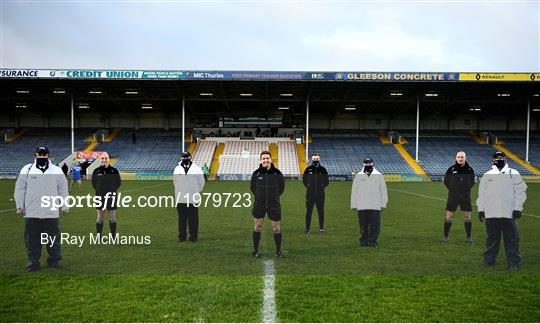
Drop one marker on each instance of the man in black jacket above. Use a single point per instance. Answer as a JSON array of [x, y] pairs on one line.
[[459, 180], [315, 180], [267, 184], [106, 181]]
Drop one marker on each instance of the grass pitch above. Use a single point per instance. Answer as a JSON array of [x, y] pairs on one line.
[[409, 277]]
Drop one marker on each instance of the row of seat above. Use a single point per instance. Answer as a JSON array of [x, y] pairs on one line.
[[436, 154], [340, 154], [344, 155], [21, 151], [204, 152], [155, 152], [288, 158]]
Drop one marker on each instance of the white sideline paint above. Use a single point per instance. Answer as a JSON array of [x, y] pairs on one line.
[[148, 187], [442, 199], [269, 294]]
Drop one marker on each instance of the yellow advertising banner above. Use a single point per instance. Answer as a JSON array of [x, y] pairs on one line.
[[499, 77]]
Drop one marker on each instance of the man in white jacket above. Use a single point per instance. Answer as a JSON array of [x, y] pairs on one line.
[[37, 181], [188, 181], [369, 197], [501, 196]]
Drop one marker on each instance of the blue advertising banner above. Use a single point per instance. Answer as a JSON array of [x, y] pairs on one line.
[[395, 76], [266, 75]]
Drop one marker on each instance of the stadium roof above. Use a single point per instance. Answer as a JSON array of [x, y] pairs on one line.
[[241, 92]]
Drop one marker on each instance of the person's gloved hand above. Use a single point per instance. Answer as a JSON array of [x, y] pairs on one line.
[[481, 216], [516, 214]]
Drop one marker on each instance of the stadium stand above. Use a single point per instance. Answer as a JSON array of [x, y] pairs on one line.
[[438, 149], [241, 157], [18, 153], [154, 151], [237, 164], [204, 153], [236, 147], [516, 142], [343, 155], [288, 158]]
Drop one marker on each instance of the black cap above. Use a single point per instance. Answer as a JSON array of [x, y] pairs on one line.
[[499, 154], [42, 150], [186, 155], [368, 160]]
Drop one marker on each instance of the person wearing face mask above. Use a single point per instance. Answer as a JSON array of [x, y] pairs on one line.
[[188, 179], [35, 181], [369, 197], [106, 180], [501, 196], [267, 185], [459, 180], [315, 180]]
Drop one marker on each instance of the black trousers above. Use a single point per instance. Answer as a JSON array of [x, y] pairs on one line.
[[370, 226], [188, 220], [508, 230], [33, 227], [311, 201]]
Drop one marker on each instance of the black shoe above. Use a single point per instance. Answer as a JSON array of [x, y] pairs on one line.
[[279, 255], [193, 240], [488, 264], [54, 265], [373, 244], [306, 231], [254, 254], [321, 231], [31, 268], [181, 240]]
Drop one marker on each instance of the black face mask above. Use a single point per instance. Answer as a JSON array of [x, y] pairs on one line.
[[42, 164], [186, 162], [499, 164], [368, 168], [315, 163]]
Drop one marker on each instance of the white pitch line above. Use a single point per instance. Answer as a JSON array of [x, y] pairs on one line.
[[442, 199], [143, 188], [269, 294]]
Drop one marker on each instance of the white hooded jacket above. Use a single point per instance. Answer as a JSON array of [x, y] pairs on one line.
[[501, 192], [187, 184], [369, 192], [33, 184]]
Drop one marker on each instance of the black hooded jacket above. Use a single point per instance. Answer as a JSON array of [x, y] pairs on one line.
[[267, 186], [459, 180], [106, 179], [315, 179]]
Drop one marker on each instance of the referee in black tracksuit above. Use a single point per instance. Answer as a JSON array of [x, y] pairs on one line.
[[315, 180], [267, 184], [106, 179], [459, 180]]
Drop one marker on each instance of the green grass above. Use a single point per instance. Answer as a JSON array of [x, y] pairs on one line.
[[410, 277]]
